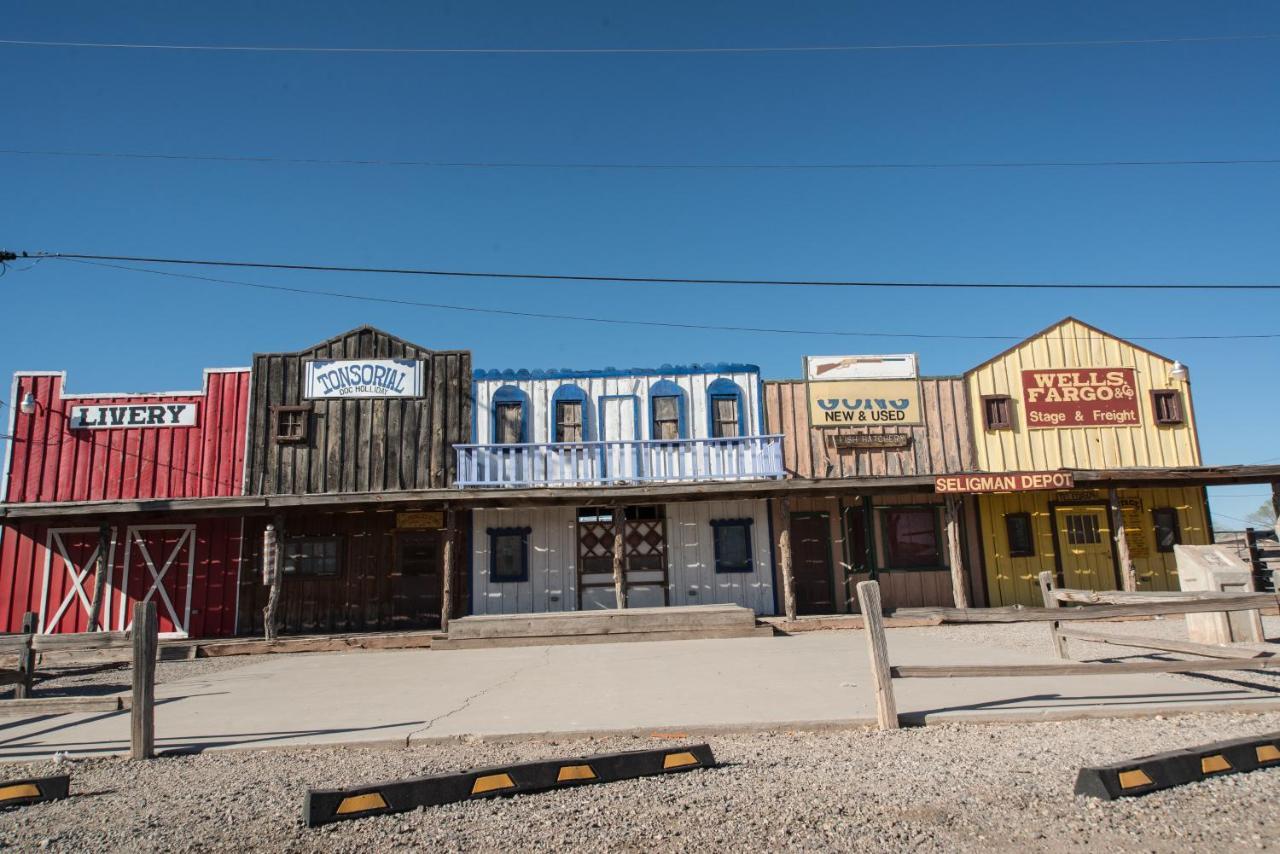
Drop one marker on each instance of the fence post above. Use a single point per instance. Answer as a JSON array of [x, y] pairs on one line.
[[878, 654], [101, 570], [1051, 601], [142, 712], [955, 554], [1128, 576], [26, 659], [446, 591], [619, 554], [271, 577], [784, 560]]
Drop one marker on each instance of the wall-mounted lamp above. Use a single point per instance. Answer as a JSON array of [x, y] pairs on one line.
[[1179, 372], [28, 405]]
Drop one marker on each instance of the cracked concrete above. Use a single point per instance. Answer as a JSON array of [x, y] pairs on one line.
[[466, 703]]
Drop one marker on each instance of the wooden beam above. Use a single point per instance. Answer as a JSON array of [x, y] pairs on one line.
[[80, 641], [446, 587], [271, 577], [1162, 644], [784, 560], [1051, 601], [59, 705], [952, 671], [619, 555], [1128, 576], [955, 554], [142, 711], [1224, 602], [101, 569], [878, 654], [26, 659], [1120, 597]]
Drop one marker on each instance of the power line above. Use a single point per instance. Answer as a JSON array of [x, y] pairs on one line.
[[611, 320], [848, 48], [525, 164], [660, 280]]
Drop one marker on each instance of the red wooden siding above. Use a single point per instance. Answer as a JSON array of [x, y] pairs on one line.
[[206, 564], [48, 461]]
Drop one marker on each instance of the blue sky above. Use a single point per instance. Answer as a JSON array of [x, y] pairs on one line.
[[115, 330]]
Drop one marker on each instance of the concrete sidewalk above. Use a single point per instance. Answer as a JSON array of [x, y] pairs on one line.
[[812, 680]]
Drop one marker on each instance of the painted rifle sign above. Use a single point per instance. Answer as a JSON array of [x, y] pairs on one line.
[[1098, 397], [899, 366], [108, 416], [333, 379], [843, 403]]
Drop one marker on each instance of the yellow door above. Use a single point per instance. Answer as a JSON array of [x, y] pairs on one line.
[[1084, 538]]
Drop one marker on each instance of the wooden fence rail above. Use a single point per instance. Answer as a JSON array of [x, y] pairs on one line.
[[144, 640], [1220, 657]]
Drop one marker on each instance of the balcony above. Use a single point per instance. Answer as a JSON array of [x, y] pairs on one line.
[[620, 462]]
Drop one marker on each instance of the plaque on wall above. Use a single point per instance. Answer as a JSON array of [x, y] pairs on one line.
[[424, 520], [871, 441]]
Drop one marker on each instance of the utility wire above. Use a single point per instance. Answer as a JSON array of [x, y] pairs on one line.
[[848, 48], [525, 164], [661, 280], [612, 320]]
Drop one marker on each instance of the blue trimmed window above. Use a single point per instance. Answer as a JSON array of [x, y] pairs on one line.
[[667, 406], [569, 415], [510, 407], [725, 411], [732, 545], [508, 554]]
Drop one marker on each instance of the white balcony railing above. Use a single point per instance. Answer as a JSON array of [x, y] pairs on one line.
[[612, 462]]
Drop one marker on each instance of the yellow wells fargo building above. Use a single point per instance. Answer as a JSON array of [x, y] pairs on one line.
[[1119, 417]]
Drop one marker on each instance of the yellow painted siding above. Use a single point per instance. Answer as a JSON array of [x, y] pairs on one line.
[[1013, 580], [1073, 345]]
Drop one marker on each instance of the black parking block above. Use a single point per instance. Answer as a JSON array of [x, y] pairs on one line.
[[35, 790], [323, 806], [1145, 774]]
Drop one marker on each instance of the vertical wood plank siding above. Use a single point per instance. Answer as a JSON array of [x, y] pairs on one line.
[[942, 445], [359, 445]]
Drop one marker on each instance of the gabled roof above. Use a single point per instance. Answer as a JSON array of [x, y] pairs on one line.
[[356, 331], [1063, 322]]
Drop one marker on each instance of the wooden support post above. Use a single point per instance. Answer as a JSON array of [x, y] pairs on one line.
[[1051, 601], [446, 587], [619, 556], [878, 654], [26, 659], [1275, 505], [142, 713], [1128, 577], [955, 554], [784, 560], [101, 569], [270, 577]]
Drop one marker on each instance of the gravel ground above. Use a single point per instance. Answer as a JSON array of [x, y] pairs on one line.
[[940, 788]]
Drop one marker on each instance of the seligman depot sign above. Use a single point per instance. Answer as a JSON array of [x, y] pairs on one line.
[[336, 379], [1010, 481], [1098, 397]]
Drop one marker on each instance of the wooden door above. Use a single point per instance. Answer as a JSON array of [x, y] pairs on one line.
[[811, 563], [70, 575], [416, 580], [1084, 541], [159, 562]]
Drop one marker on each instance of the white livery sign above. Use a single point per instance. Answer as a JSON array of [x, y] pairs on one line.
[[329, 379], [106, 416], [898, 366]]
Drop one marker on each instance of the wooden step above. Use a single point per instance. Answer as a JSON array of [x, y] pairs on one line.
[[602, 622], [617, 637]]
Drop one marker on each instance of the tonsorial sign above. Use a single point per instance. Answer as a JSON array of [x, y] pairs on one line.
[[329, 378], [107, 416], [1013, 481]]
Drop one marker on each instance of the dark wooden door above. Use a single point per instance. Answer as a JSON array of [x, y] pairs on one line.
[[416, 582], [811, 563]]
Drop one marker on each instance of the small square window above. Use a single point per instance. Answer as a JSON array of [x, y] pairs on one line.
[[1165, 520], [317, 557], [724, 413], [997, 412], [1166, 404], [568, 421], [509, 554], [418, 553], [1022, 542], [509, 423], [911, 538], [733, 545], [666, 417], [290, 423]]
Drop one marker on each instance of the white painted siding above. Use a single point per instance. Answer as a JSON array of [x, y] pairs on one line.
[[541, 392], [553, 552]]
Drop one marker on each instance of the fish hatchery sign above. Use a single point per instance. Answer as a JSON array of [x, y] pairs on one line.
[[864, 391], [332, 379], [1098, 397]]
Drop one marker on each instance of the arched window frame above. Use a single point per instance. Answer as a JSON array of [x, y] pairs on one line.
[[571, 392], [509, 394], [726, 388], [666, 388]]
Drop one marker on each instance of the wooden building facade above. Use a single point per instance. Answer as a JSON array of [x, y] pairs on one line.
[[859, 531], [1074, 397]]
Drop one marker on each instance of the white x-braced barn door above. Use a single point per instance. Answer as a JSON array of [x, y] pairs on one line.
[[159, 562], [70, 568]]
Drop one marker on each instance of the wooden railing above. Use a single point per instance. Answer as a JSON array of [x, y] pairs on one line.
[[608, 462], [1100, 605]]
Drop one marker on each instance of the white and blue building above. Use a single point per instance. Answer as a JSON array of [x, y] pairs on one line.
[[593, 432]]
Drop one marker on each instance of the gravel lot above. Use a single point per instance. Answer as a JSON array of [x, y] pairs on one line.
[[999, 787]]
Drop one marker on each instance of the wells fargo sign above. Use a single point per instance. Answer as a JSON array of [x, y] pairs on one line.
[[1016, 481], [844, 402], [329, 378], [1098, 397]]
